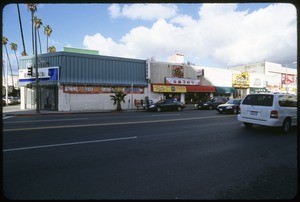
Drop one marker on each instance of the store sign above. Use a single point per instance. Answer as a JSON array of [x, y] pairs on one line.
[[288, 79], [99, 89], [240, 80], [181, 81], [44, 74], [258, 90], [169, 89]]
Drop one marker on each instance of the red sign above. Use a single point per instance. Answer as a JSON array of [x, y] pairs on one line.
[[288, 78]]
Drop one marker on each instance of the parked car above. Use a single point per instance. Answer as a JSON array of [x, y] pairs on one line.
[[231, 106], [12, 100], [166, 105], [276, 110], [212, 103]]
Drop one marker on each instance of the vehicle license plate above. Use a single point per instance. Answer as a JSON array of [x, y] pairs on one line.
[[254, 113]]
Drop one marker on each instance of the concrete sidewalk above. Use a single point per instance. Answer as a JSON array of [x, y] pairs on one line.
[[15, 110]]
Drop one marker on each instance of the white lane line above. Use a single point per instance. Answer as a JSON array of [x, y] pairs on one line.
[[48, 120], [7, 117], [160, 115], [67, 144], [114, 123]]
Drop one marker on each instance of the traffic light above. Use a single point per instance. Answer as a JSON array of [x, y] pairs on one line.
[[29, 71]]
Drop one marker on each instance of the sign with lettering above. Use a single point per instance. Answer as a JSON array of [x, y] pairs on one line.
[[44, 74], [181, 81], [169, 89], [240, 80], [100, 89]]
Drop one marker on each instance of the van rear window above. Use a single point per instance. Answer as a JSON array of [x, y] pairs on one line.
[[260, 100]]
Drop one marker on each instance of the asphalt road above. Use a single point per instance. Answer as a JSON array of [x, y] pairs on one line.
[[140, 155]]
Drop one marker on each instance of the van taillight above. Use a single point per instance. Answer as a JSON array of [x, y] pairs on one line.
[[274, 114]]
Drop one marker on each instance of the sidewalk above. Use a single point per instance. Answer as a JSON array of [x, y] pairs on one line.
[[15, 110]]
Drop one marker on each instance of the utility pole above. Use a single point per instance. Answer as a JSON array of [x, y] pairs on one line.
[[36, 74]]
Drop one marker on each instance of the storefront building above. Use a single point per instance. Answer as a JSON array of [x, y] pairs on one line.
[[177, 81], [264, 77], [75, 81]]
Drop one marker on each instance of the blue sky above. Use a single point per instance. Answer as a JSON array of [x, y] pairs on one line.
[[216, 35]]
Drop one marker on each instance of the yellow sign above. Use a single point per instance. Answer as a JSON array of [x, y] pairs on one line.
[[169, 89], [240, 80]]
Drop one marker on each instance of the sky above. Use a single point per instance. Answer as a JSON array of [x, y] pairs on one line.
[[213, 35]]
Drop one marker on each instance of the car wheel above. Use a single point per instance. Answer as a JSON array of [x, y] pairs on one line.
[[199, 107], [210, 107], [235, 111], [179, 109], [286, 126], [248, 125], [158, 109]]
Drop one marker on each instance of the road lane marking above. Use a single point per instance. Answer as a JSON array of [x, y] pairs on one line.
[[113, 123], [71, 143], [7, 117], [48, 120]]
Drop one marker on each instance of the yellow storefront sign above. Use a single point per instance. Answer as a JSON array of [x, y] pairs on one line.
[[169, 89], [240, 80]]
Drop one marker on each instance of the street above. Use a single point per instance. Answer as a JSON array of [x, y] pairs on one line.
[[192, 154]]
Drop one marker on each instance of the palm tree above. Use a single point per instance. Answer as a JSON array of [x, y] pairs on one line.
[[37, 24], [14, 47], [118, 97], [32, 8], [51, 49], [4, 42], [47, 31], [22, 35]]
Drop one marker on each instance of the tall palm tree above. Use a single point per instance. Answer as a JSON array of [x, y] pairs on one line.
[[4, 42], [32, 8], [37, 24], [47, 31], [51, 49], [14, 47], [118, 97], [21, 28]]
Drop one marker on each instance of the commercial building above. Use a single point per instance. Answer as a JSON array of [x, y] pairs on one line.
[[74, 81], [263, 77]]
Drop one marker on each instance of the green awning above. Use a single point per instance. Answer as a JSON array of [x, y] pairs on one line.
[[224, 90]]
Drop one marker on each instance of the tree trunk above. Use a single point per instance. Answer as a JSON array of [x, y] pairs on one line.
[[21, 28]]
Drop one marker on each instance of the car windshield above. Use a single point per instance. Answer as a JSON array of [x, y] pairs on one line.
[[232, 102]]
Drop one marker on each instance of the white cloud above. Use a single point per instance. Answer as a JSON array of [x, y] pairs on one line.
[[221, 35], [114, 11], [143, 11]]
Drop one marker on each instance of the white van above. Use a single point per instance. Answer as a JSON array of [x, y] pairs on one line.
[[269, 110]]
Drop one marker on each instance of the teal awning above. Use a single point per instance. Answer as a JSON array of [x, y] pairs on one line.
[[224, 90]]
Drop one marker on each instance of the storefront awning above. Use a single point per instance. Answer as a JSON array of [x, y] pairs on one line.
[[224, 90], [198, 89]]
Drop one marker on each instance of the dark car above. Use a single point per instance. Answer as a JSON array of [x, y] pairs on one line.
[[212, 103], [232, 106], [166, 105]]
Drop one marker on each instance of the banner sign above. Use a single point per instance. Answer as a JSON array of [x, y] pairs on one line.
[[169, 89], [288, 79], [44, 74], [99, 89], [180, 81]]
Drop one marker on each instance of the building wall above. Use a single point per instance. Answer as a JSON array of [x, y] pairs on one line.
[[77, 102]]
